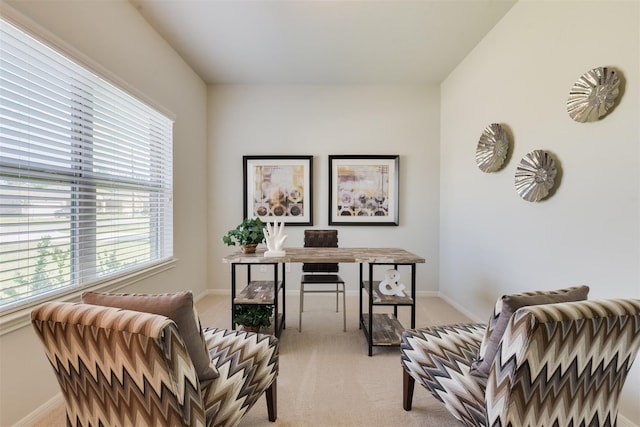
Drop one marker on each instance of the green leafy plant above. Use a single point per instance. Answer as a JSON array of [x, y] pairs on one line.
[[253, 316], [108, 262], [250, 231], [44, 275]]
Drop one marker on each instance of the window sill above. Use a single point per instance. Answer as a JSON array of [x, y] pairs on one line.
[[20, 318]]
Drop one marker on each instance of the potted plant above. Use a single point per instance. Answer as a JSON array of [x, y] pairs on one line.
[[253, 316], [248, 234]]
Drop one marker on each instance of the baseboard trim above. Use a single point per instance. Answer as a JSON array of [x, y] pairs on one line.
[[625, 422], [212, 292], [44, 410], [461, 309], [41, 412], [428, 294], [353, 292]]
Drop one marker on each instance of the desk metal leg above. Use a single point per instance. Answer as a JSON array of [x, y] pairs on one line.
[[284, 299], [276, 329], [360, 284], [233, 293], [370, 328], [413, 295]]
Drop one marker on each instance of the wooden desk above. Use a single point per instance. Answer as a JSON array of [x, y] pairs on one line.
[[322, 255], [380, 329]]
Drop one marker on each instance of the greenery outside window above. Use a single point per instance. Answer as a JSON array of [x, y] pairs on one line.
[[85, 176]]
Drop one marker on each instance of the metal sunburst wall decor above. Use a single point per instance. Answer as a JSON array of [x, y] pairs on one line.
[[535, 175], [492, 148], [593, 94]]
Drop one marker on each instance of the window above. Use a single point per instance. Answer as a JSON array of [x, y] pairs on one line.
[[85, 176]]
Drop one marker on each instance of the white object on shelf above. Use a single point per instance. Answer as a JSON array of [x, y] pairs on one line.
[[275, 239], [391, 284]]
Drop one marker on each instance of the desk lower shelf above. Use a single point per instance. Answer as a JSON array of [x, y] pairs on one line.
[[387, 329], [378, 298], [257, 292], [261, 292]]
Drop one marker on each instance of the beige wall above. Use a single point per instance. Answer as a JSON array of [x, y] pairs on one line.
[[480, 239], [492, 241], [115, 35], [320, 121]]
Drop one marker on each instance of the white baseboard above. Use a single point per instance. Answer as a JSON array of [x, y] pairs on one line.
[[351, 292], [428, 294], [41, 412], [58, 400], [461, 309], [625, 422], [212, 292]]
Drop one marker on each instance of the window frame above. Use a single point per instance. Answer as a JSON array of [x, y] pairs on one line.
[[13, 317]]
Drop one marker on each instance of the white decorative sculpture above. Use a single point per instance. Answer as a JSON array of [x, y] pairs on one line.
[[390, 285], [275, 239]]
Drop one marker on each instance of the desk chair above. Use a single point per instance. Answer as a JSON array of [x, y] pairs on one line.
[[320, 274]]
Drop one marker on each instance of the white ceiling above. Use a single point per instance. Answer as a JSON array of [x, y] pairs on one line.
[[323, 41]]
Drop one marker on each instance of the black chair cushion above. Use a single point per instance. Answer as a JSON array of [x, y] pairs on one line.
[[321, 278]]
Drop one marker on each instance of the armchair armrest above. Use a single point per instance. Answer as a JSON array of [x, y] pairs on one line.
[[563, 364], [439, 358], [248, 365], [101, 354]]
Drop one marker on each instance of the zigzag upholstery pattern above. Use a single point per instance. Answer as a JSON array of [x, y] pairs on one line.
[[564, 364], [126, 368], [557, 365], [248, 364], [495, 315], [439, 359], [118, 367]]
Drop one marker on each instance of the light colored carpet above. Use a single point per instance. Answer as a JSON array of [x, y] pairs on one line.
[[326, 378]]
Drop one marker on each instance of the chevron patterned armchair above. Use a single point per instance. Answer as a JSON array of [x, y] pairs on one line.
[[121, 367], [561, 364]]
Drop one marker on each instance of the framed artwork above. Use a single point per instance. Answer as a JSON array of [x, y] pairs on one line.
[[363, 190], [279, 188]]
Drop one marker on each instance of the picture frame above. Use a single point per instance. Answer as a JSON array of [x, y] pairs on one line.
[[278, 189], [363, 190]]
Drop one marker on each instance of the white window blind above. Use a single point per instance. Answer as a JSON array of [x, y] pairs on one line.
[[85, 175]]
